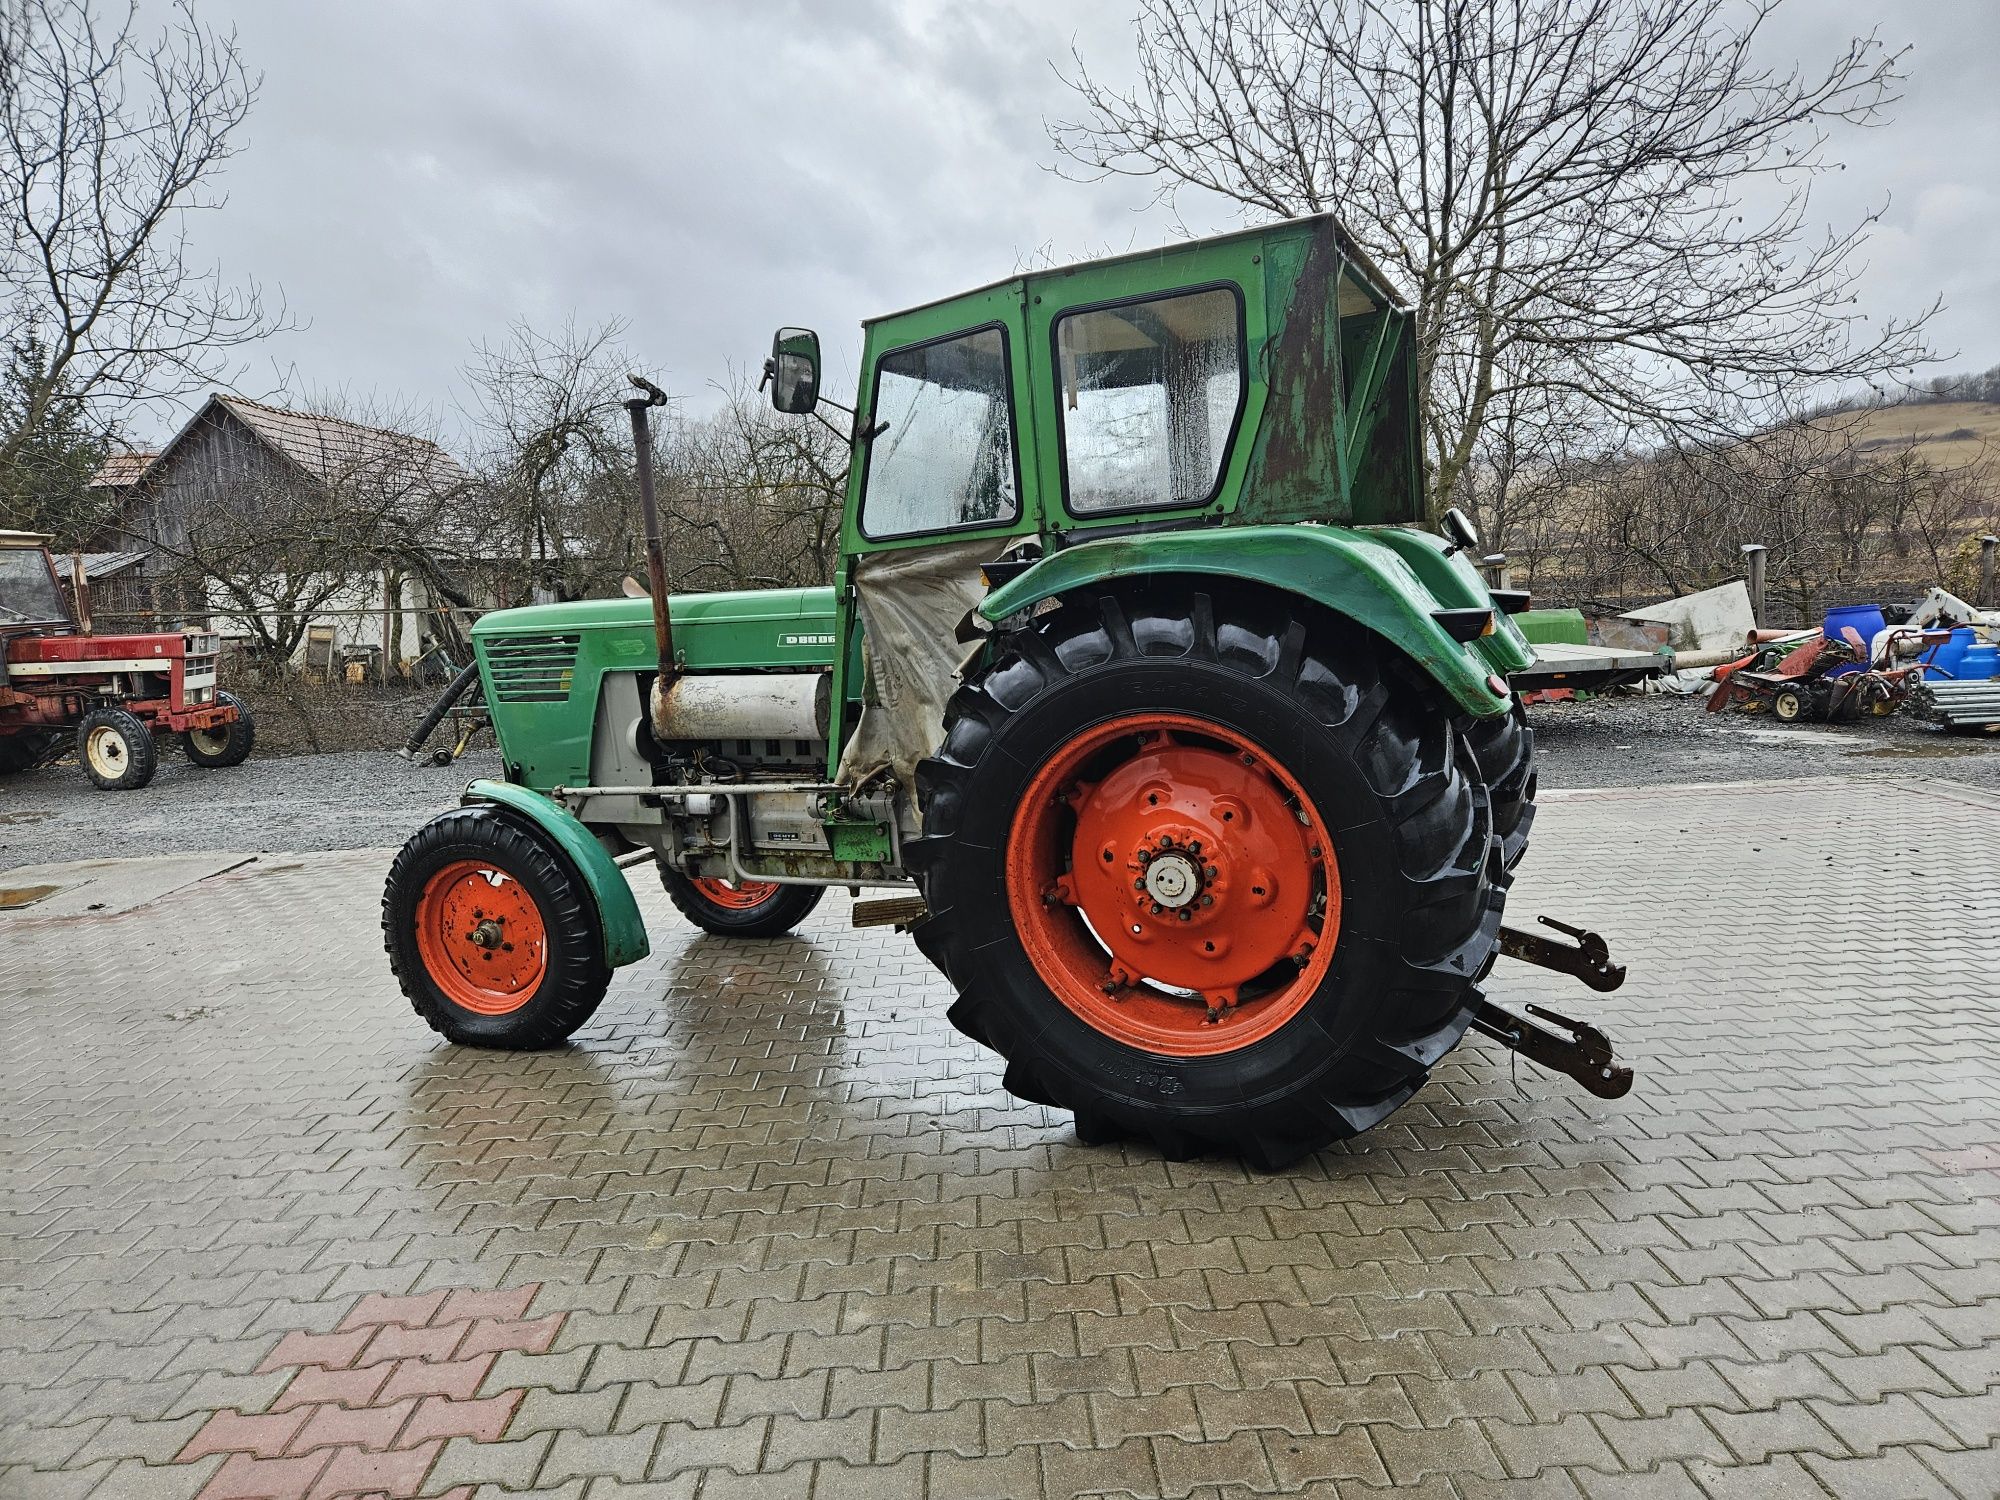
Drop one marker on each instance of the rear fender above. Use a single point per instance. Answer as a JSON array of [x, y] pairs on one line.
[[618, 921], [1388, 579]]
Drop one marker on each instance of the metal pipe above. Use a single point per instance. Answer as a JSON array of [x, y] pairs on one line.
[[656, 557], [1753, 568]]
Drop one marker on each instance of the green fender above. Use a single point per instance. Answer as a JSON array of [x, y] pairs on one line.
[[618, 920], [1389, 579]]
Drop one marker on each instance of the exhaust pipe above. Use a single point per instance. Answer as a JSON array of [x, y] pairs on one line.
[[656, 557]]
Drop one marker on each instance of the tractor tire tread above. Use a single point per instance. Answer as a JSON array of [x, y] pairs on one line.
[[577, 974], [142, 756], [1418, 995]]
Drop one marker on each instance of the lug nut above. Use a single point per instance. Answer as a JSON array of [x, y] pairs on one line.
[[1186, 915]]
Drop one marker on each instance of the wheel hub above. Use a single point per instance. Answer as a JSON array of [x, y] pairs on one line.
[[1173, 880], [1193, 869], [1173, 885]]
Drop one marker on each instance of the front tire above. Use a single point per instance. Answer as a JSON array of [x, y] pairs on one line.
[[492, 933], [116, 749], [227, 745], [1050, 769], [747, 908]]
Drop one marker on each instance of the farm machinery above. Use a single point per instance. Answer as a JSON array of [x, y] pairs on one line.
[[113, 693], [1187, 748]]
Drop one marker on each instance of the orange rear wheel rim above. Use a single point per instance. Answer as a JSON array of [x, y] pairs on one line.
[[481, 937], [736, 895], [1173, 885]]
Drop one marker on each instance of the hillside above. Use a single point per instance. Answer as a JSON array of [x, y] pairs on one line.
[[1950, 433]]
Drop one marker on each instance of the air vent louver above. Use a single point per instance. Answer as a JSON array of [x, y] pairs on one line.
[[531, 668]]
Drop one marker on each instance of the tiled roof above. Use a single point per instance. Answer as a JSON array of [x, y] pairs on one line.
[[122, 468], [333, 449]]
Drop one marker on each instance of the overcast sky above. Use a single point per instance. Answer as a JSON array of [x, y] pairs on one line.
[[417, 175]]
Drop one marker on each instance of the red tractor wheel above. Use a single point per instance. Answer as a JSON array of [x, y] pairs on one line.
[[492, 932], [740, 908], [1211, 872]]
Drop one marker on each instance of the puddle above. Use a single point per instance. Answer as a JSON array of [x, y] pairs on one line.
[[1924, 752], [32, 816], [14, 897]]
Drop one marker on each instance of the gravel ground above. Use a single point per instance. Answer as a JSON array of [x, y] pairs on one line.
[[352, 800], [1633, 740], [367, 799]]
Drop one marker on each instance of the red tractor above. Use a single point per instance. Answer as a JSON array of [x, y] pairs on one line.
[[114, 691]]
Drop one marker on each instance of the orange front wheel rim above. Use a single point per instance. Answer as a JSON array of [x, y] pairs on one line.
[[735, 895], [1173, 885], [481, 937]]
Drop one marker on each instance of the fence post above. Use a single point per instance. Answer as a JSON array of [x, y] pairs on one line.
[[1497, 576], [1753, 572], [1988, 546]]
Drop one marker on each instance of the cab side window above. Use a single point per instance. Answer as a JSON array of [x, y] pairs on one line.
[[1149, 397]]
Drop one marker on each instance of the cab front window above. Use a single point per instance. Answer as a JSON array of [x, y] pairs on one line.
[[943, 457]]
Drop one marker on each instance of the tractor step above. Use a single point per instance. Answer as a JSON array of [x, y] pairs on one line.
[[891, 911], [1585, 1054]]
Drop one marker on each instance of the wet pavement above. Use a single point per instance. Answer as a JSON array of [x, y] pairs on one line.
[[772, 1228]]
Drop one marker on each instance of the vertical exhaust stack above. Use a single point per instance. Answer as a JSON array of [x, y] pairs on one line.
[[656, 557]]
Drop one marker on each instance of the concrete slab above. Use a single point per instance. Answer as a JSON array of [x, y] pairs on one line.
[[106, 886]]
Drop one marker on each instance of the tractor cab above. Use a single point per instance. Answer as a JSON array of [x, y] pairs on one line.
[[31, 600]]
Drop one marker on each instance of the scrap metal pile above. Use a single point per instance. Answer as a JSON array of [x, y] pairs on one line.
[[1940, 658]]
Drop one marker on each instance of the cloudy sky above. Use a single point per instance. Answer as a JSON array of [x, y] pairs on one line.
[[417, 175]]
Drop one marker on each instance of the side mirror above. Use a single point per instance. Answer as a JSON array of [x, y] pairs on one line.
[[793, 371], [1458, 529]]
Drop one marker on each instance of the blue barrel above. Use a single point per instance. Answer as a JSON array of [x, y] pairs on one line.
[[1981, 662], [1942, 662], [1867, 619]]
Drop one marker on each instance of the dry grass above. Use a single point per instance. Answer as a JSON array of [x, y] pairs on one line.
[[1950, 434]]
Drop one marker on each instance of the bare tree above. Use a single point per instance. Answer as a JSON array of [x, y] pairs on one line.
[[753, 499], [555, 454], [1605, 198], [109, 139]]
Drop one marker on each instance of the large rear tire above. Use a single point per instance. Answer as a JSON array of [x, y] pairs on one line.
[[1504, 746], [1184, 729], [19, 752], [732, 908], [492, 933], [116, 749]]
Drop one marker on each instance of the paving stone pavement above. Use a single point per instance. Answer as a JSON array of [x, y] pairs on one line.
[[771, 1228]]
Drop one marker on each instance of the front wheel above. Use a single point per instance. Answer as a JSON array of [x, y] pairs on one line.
[[226, 744], [740, 908], [492, 933], [116, 749], [1208, 872]]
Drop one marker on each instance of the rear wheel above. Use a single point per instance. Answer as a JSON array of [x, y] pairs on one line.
[[226, 744], [1207, 872], [1788, 705], [1504, 746], [20, 751], [116, 749], [492, 933], [740, 908]]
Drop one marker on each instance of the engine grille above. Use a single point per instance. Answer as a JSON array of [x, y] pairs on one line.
[[531, 668]]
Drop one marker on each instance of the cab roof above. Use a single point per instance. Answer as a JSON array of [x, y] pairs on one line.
[[1361, 269]]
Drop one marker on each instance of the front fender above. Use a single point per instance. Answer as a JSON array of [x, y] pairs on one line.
[[1389, 579], [624, 934]]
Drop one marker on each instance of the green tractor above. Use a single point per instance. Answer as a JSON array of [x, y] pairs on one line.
[[1196, 746]]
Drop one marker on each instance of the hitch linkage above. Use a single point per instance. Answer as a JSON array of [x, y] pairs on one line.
[[1585, 1053], [1589, 960]]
